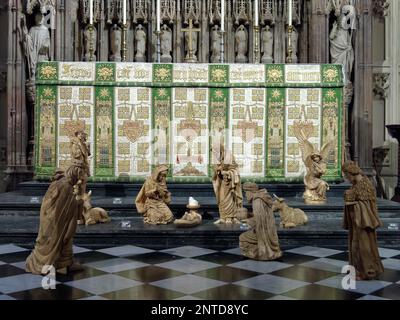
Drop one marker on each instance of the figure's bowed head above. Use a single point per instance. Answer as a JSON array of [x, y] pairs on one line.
[[352, 172]]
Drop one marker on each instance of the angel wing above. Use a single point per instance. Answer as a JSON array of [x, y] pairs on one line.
[[306, 147], [326, 149]]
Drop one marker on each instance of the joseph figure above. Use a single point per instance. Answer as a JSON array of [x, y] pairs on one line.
[[58, 220], [80, 150], [154, 197], [361, 219], [227, 188], [261, 241]]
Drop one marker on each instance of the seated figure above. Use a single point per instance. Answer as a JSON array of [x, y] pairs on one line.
[[154, 197]]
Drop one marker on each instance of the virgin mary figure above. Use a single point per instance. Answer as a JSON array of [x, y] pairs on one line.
[[154, 197]]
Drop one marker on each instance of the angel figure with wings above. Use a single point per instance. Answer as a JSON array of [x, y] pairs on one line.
[[314, 161]]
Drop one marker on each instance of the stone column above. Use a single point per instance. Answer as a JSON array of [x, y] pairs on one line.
[[103, 42], [392, 66], [318, 33], [152, 38], [178, 45], [60, 31], [363, 94], [229, 35], [17, 124], [204, 36], [303, 35], [3, 92]]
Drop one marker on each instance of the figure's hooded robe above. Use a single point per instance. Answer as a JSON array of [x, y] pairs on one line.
[[153, 199]]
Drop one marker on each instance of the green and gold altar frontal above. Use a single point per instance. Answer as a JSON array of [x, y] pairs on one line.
[[138, 115]]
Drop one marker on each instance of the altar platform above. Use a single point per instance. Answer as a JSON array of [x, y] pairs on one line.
[[19, 218]]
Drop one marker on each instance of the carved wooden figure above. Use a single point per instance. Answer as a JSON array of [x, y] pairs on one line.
[[361, 218], [154, 197], [261, 241]]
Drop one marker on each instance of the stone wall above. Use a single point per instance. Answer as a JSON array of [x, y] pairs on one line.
[[67, 21]]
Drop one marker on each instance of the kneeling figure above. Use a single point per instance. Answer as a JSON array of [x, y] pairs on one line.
[[261, 241]]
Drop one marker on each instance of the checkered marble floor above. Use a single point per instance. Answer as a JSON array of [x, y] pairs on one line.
[[185, 273]]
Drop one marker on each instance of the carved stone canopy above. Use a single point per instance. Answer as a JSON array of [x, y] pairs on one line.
[[168, 11], [97, 8], [192, 10], [43, 4], [47, 8], [140, 11], [381, 7]]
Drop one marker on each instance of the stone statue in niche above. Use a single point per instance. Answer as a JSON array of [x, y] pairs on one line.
[[193, 47], [267, 45], [61, 207], [361, 218], [166, 44], [140, 40], [90, 38], [341, 46], [115, 43], [261, 242], [227, 188], [36, 43], [154, 197], [215, 44], [294, 39], [241, 44]]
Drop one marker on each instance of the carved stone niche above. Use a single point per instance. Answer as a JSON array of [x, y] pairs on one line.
[[242, 12], [4, 6], [381, 85], [47, 8], [192, 10], [379, 156], [380, 8], [140, 11], [3, 81]]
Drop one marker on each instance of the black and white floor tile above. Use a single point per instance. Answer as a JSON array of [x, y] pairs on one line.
[[191, 273]]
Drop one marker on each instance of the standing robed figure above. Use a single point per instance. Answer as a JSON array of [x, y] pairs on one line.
[[227, 188], [361, 219], [61, 207]]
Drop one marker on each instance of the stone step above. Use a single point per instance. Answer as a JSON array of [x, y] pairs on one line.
[[101, 189], [18, 202], [329, 233]]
